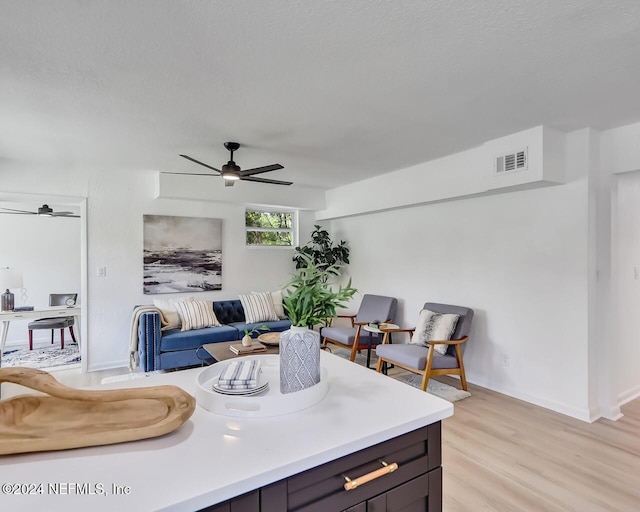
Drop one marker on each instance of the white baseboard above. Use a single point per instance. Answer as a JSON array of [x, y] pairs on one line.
[[579, 413], [613, 414], [628, 395], [109, 365]]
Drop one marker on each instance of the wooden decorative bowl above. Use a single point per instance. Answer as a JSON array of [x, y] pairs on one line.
[[73, 418]]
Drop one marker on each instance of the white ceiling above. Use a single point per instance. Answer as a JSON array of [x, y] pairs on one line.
[[334, 91]]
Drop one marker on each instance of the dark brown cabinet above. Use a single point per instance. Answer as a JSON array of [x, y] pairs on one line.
[[415, 486], [421, 494], [249, 502]]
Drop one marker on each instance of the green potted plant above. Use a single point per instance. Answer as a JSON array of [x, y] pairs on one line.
[[322, 251], [308, 300]]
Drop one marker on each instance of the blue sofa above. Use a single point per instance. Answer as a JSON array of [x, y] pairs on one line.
[[163, 350]]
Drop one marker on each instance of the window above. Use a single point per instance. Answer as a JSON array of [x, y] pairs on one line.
[[270, 228]]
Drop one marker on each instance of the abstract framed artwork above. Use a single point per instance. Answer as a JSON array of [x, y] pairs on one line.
[[182, 254]]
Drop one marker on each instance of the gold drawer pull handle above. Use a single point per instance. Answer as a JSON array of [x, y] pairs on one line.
[[385, 470]]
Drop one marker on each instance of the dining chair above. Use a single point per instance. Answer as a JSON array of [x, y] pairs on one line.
[[55, 299], [373, 308], [420, 355]]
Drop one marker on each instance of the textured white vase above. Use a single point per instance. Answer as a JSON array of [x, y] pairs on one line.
[[299, 359]]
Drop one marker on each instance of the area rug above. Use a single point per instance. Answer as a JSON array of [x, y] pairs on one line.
[[47, 357], [435, 387], [361, 358]]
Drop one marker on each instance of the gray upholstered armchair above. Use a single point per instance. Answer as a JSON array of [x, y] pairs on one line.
[[374, 308], [427, 361]]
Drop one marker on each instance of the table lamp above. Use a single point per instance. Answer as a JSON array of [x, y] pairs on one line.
[[9, 278]]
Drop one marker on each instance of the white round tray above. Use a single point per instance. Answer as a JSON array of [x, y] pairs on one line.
[[270, 403]]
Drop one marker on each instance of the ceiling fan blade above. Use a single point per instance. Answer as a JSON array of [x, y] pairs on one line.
[[229, 183], [65, 214], [258, 170], [200, 163], [264, 180], [25, 212], [192, 174]]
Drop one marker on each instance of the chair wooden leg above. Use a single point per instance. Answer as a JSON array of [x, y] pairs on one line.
[[61, 338], [355, 348], [427, 369], [30, 339], [73, 336], [379, 365], [463, 377], [354, 351], [425, 381]]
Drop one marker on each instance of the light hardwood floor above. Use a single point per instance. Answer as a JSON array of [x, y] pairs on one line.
[[502, 454]]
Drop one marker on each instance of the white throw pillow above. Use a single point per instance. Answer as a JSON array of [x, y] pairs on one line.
[[196, 314], [168, 309], [278, 305], [258, 307], [436, 327]]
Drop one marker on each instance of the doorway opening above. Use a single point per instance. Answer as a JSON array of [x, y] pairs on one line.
[[46, 251]]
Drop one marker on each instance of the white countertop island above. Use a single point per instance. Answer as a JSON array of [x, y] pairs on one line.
[[212, 458]]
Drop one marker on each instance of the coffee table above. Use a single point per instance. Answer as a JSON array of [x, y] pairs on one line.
[[222, 352]]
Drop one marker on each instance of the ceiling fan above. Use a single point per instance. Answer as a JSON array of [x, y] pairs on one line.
[[231, 171], [44, 210]]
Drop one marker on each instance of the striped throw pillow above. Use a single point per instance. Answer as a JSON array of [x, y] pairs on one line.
[[196, 314], [258, 307], [278, 306], [436, 327], [168, 309]]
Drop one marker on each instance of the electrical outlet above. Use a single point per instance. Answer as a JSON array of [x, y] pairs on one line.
[[101, 272], [505, 359]]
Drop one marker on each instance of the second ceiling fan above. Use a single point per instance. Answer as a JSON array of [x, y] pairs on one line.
[[231, 171]]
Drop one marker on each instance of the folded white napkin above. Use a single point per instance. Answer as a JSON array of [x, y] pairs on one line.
[[245, 373]]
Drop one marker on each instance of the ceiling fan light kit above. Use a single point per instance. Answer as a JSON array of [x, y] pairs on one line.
[[231, 172]]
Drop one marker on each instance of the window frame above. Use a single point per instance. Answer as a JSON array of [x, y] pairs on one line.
[[293, 230]]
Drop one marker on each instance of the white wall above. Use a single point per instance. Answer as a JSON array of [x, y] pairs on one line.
[[208, 188], [117, 200], [469, 173], [47, 252], [627, 360], [519, 260], [620, 161]]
